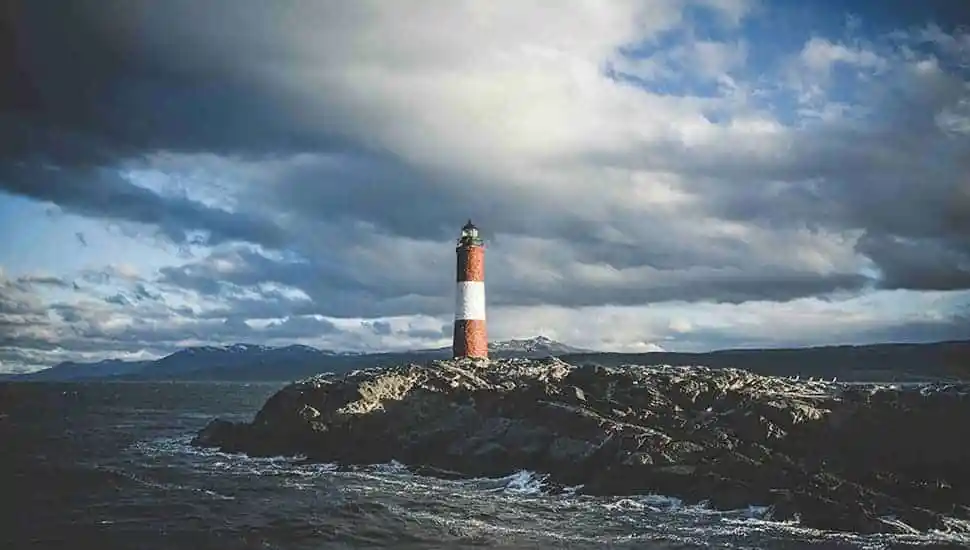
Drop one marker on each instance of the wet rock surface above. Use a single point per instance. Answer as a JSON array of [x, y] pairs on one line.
[[852, 458]]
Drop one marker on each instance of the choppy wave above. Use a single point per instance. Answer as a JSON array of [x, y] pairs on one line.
[[518, 507]]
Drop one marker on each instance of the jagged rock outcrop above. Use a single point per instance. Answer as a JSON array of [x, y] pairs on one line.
[[837, 458]]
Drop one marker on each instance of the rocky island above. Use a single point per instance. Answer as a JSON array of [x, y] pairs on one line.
[[838, 457]]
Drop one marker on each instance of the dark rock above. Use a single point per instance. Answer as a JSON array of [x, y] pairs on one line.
[[861, 459], [229, 436]]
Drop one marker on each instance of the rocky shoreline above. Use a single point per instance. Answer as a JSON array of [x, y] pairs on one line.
[[849, 458]]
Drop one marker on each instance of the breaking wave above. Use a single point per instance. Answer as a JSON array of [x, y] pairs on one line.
[[519, 507]]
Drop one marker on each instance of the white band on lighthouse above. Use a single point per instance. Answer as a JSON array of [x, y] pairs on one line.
[[470, 301]]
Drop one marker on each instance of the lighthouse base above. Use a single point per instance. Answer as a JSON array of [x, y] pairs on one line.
[[470, 339]]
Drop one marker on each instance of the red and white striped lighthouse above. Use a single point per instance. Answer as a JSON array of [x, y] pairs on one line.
[[471, 339]]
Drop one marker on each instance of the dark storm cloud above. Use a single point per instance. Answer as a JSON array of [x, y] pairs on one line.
[[101, 192], [120, 92], [122, 95], [923, 264], [955, 327], [381, 328], [198, 77], [399, 200], [300, 327], [68, 120]]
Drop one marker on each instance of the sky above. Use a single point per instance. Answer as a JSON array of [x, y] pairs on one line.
[[679, 175]]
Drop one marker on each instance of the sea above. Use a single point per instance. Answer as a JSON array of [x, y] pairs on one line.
[[108, 465]]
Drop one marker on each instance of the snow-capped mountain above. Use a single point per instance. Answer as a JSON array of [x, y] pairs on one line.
[[537, 345]]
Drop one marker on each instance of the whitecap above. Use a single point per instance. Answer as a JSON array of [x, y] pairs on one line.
[[524, 482]]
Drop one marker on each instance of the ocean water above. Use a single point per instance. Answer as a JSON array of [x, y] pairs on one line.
[[108, 465]]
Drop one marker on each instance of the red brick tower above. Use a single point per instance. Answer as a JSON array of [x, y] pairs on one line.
[[471, 339]]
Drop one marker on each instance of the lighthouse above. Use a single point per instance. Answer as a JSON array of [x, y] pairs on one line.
[[470, 338]]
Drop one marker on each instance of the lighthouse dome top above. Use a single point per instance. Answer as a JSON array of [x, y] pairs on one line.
[[469, 235], [469, 230]]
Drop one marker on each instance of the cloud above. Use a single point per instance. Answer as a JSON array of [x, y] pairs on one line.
[[82, 329], [312, 161], [106, 194], [821, 55], [26, 281]]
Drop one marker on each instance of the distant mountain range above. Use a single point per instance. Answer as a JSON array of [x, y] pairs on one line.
[[865, 363], [247, 362], [256, 362]]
